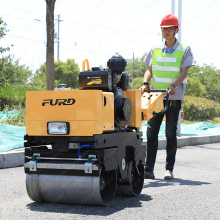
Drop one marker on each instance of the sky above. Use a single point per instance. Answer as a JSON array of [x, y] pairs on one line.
[[97, 29]]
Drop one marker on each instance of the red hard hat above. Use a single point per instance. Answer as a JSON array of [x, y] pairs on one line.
[[169, 21]]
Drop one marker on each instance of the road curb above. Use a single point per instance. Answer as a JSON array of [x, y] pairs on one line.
[[189, 141], [15, 158]]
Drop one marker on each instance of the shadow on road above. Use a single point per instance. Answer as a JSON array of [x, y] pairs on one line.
[[176, 181], [208, 147], [119, 203]]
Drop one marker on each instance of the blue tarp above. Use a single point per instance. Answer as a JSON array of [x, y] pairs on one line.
[[12, 137], [7, 114], [196, 129]]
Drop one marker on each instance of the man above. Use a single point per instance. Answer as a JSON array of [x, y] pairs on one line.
[[168, 65]]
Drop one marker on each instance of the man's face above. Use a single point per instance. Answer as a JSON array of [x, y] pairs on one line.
[[168, 32]]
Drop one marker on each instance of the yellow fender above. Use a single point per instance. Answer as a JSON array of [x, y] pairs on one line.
[[87, 65]]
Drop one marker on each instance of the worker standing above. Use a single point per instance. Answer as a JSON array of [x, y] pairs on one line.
[[168, 66]]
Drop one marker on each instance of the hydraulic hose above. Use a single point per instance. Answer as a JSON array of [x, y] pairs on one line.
[[126, 128], [86, 145]]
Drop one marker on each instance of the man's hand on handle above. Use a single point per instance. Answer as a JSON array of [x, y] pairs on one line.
[[143, 88], [171, 90]]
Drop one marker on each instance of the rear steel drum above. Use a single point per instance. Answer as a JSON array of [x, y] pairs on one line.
[[133, 186]]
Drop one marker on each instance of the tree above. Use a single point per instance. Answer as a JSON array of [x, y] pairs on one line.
[[65, 72], [194, 87], [12, 72], [209, 77], [3, 31], [50, 45], [137, 83], [136, 67], [39, 79]]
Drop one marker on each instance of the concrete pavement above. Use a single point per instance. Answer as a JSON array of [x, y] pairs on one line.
[[15, 158]]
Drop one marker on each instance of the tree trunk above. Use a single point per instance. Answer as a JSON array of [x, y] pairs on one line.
[[50, 45]]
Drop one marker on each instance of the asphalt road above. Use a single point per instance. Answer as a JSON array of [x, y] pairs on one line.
[[193, 194]]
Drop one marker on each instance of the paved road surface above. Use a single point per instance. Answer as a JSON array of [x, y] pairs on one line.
[[193, 194]]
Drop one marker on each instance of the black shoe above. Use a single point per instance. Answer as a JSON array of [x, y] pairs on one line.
[[149, 174]]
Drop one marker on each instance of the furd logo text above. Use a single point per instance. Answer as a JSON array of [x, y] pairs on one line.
[[58, 102]]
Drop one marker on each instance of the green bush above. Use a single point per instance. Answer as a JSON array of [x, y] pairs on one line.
[[196, 108], [11, 96]]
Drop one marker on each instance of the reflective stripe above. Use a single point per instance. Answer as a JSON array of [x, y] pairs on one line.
[[167, 59], [166, 80], [166, 68]]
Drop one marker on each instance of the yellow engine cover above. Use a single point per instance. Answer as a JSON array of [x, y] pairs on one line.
[[89, 112]]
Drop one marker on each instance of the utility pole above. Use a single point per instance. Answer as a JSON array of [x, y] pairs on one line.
[[133, 68], [173, 7], [179, 15], [58, 37], [180, 18], [179, 38]]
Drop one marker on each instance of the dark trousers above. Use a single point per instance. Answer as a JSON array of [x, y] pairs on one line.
[[153, 128]]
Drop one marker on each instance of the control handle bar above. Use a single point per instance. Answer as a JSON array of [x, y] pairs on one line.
[[158, 90]]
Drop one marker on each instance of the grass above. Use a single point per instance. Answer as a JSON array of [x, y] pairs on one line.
[[14, 95], [213, 121]]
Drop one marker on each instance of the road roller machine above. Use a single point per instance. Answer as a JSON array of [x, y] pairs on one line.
[[85, 146]]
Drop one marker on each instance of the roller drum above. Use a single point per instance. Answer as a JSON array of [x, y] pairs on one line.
[[134, 184], [92, 190]]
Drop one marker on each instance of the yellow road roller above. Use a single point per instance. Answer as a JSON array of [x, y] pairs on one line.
[[85, 146]]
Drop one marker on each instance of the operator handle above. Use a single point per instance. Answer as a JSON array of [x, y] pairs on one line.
[[167, 99], [152, 90]]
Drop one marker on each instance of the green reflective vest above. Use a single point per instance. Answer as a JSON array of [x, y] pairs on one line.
[[166, 67]]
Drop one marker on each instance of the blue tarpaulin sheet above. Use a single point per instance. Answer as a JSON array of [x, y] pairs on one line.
[[8, 114], [12, 137], [196, 129]]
